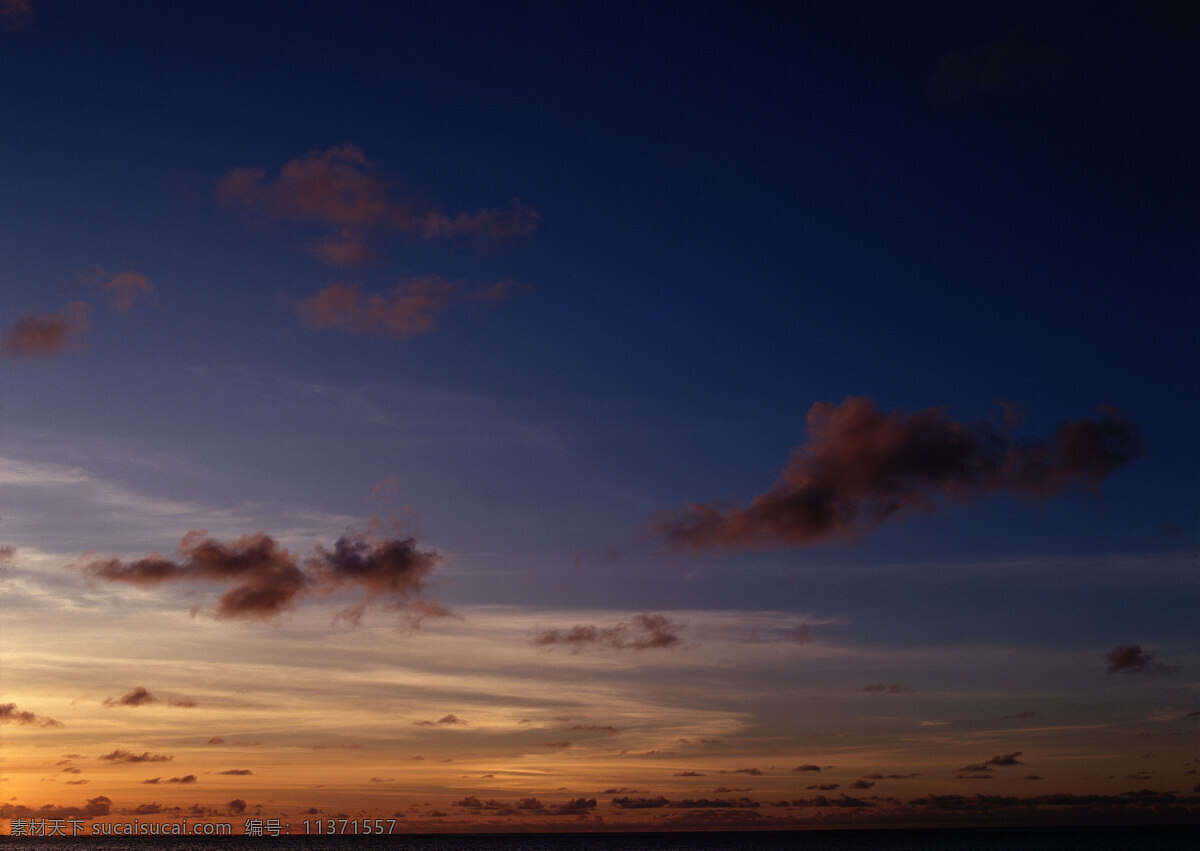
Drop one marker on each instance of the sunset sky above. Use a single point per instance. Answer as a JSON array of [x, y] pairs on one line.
[[505, 416]]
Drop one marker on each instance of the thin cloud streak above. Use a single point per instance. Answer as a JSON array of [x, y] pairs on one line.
[[861, 466], [407, 310]]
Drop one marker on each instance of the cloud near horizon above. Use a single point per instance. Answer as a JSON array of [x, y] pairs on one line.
[[860, 466], [265, 580], [407, 310], [338, 189]]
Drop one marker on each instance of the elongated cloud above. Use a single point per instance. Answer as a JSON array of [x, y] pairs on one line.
[[138, 697], [264, 580], [861, 466], [405, 311], [644, 632], [46, 335], [124, 756], [340, 191], [9, 714], [264, 577], [1132, 659]]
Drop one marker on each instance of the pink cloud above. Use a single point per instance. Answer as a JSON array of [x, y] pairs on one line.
[[46, 335], [405, 311], [861, 466], [340, 190], [15, 14]]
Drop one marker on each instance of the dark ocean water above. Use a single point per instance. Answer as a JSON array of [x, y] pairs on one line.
[[1158, 838]]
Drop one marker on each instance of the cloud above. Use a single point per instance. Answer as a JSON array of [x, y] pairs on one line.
[[886, 688], [807, 768], [46, 335], [124, 756], [264, 580], [138, 697], [1132, 659], [339, 191], [445, 719], [15, 14], [405, 311], [861, 466], [123, 288], [9, 714], [1006, 759], [648, 631]]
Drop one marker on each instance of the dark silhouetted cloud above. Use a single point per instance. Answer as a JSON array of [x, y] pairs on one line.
[[138, 697], [124, 756], [9, 714], [807, 768], [264, 580], [643, 632], [861, 466], [46, 335], [1132, 659], [237, 771], [886, 688]]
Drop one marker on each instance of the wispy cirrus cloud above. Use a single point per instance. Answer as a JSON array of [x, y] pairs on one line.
[[340, 191], [643, 632], [861, 466], [46, 335], [407, 310]]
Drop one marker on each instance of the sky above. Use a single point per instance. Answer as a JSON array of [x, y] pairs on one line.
[[540, 416]]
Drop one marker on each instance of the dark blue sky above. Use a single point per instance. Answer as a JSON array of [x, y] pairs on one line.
[[598, 264]]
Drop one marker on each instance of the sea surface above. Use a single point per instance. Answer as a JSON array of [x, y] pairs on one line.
[[1155, 838]]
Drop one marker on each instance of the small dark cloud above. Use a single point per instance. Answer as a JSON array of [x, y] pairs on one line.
[[688, 774], [138, 697], [124, 756], [237, 806], [862, 784], [643, 632], [594, 728], [886, 688], [216, 740], [630, 803], [237, 771], [1005, 759], [445, 719], [807, 767], [754, 772], [1133, 659]]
